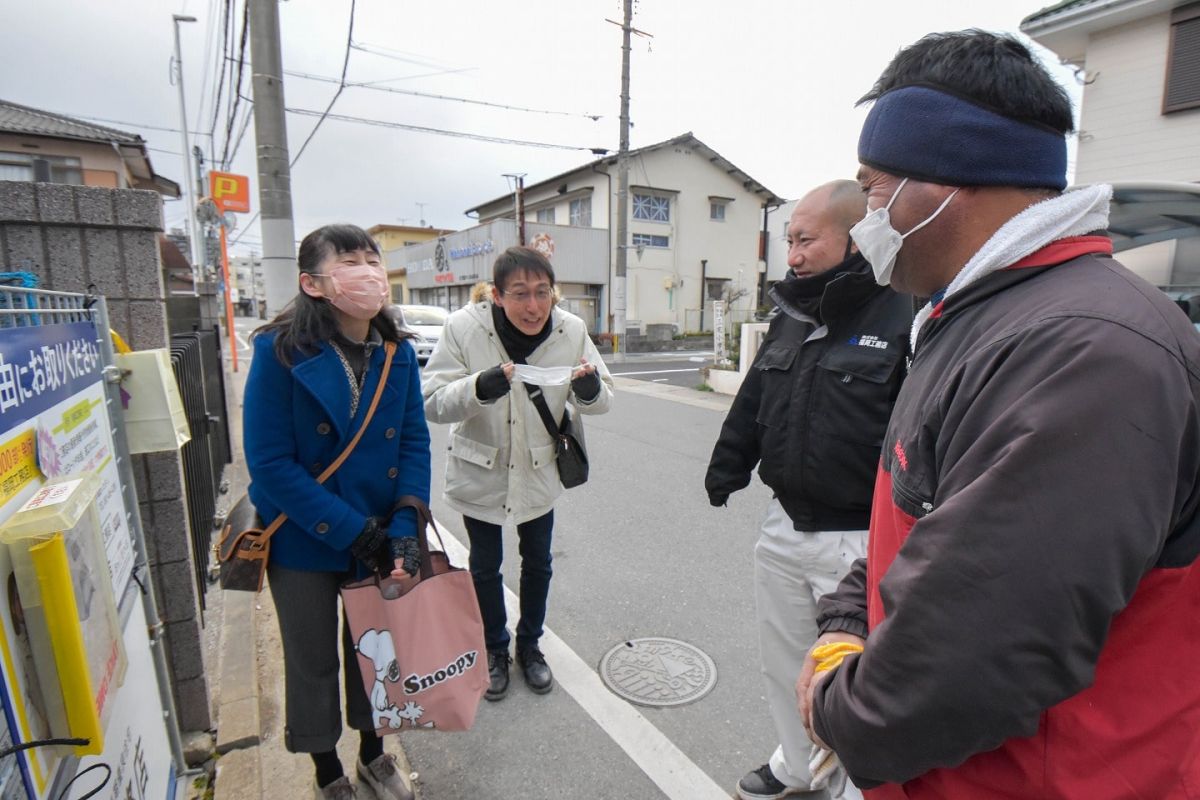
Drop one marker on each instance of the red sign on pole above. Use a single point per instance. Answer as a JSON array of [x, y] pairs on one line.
[[230, 192]]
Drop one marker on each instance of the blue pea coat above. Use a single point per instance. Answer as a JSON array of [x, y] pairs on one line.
[[297, 421]]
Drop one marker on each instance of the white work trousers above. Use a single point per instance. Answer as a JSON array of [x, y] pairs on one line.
[[792, 569]]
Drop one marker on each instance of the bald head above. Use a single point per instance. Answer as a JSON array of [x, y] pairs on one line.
[[818, 232], [843, 202]]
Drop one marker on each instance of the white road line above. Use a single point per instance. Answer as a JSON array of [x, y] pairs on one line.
[[663, 762], [241, 340], [654, 371], [660, 380]]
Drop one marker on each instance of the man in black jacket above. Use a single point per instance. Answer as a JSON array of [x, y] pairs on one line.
[[811, 413]]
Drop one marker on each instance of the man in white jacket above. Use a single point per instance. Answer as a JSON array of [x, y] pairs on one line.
[[501, 457]]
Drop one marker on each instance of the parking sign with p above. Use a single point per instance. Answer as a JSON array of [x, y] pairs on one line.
[[230, 192]]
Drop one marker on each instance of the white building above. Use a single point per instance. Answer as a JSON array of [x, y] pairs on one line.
[[249, 289], [1139, 61], [697, 230]]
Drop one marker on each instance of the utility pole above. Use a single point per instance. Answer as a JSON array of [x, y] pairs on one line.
[[189, 197], [618, 293], [274, 173], [518, 204], [421, 212]]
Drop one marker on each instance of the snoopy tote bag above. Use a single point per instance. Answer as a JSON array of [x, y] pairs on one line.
[[419, 641]]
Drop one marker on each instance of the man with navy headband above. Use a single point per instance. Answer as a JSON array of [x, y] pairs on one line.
[[1029, 609]]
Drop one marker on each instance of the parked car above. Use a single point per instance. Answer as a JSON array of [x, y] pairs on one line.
[[426, 322]]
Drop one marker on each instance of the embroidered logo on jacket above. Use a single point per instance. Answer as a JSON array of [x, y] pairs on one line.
[[866, 340], [901, 456]]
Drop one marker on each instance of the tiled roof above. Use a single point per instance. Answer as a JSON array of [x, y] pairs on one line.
[[16, 118]]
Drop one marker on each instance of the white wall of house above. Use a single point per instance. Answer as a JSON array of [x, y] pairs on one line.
[[1123, 133], [663, 284]]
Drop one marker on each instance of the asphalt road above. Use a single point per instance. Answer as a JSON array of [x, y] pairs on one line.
[[638, 553]]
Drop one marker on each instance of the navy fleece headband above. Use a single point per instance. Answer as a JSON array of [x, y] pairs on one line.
[[930, 135]]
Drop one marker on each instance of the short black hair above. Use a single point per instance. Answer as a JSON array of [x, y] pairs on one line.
[[994, 70], [518, 259]]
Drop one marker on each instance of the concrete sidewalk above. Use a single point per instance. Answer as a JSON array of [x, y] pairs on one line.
[[248, 693]]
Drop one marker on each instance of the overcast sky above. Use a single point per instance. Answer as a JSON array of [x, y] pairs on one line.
[[769, 84]]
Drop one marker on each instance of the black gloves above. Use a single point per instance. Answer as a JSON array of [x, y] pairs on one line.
[[586, 387], [371, 546], [406, 553], [380, 554], [492, 384], [717, 499]]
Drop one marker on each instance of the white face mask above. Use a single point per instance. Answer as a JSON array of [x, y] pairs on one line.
[[543, 376], [880, 243]]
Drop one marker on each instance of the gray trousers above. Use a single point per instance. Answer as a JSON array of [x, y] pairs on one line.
[[306, 605]]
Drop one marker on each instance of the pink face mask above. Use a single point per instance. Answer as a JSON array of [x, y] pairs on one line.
[[359, 290]]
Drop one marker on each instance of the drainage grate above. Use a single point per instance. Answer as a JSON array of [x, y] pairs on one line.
[[658, 672]]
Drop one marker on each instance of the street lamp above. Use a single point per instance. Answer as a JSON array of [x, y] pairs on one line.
[[189, 202]]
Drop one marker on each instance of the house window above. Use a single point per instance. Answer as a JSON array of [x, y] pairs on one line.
[[581, 212], [546, 215], [651, 208], [649, 240], [1183, 61], [716, 211], [43, 169]]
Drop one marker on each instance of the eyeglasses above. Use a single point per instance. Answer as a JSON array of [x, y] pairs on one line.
[[522, 295]]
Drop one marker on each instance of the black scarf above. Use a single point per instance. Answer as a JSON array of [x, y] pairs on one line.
[[518, 345], [805, 294]]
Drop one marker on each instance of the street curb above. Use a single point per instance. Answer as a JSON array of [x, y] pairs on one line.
[[675, 394], [239, 723], [238, 776]]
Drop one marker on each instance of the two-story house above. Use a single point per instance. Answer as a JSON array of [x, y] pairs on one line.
[[51, 148], [1139, 123], [696, 224]]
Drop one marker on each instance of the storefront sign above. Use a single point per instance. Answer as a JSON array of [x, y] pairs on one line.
[[472, 249]]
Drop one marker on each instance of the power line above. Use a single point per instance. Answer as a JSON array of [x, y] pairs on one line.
[[337, 94], [439, 131], [208, 54], [414, 93], [395, 55], [236, 91], [124, 122], [245, 124], [220, 84]]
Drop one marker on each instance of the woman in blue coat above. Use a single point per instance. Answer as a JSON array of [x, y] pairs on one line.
[[316, 368]]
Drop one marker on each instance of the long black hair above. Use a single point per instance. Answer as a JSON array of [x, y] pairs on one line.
[[308, 321]]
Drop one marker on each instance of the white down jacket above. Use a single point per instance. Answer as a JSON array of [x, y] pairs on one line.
[[500, 460]]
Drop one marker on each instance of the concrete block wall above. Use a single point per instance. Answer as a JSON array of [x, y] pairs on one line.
[[76, 237]]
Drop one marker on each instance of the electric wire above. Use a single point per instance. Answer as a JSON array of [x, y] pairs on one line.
[[439, 131], [236, 90], [337, 94], [414, 93], [220, 84]]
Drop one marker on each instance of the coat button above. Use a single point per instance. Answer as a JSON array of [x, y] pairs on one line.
[[323, 429], [393, 472], [390, 433], [322, 527]]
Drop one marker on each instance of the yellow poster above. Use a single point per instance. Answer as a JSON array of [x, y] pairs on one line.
[[18, 464]]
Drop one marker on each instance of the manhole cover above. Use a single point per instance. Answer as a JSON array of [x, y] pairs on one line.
[[658, 672]]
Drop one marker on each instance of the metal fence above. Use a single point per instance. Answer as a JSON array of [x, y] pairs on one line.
[[196, 359]]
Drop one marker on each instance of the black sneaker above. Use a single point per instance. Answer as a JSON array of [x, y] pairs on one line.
[[498, 661], [537, 673], [761, 784]]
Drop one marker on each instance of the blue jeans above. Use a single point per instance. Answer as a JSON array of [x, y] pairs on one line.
[[487, 553]]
